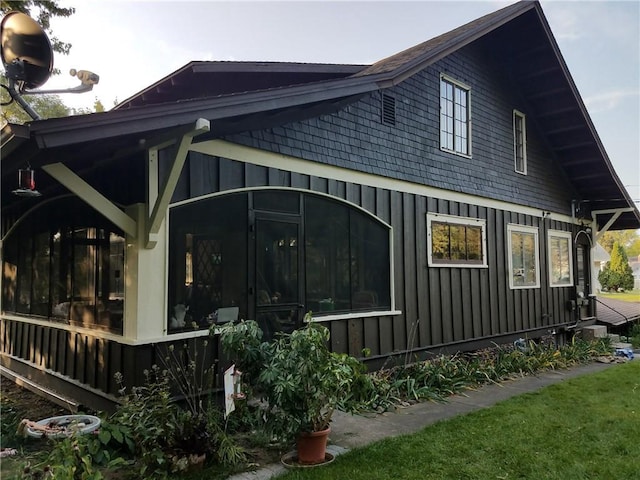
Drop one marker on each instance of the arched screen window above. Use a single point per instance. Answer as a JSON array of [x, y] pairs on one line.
[[346, 257], [300, 251]]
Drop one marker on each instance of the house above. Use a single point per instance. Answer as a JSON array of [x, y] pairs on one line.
[[634, 263], [600, 258], [442, 199]]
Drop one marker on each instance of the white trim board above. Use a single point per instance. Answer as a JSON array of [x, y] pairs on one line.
[[241, 153]]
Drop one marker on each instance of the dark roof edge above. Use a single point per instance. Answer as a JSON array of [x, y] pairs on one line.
[[497, 19], [197, 66], [583, 110], [153, 85], [285, 67], [68, 130], [12, 136]]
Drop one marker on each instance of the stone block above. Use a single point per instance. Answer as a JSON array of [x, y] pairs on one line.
[[594, 331]]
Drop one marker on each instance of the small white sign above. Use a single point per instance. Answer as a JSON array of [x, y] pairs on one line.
[[229, 404]]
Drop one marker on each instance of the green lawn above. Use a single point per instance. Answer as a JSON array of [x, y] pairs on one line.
[[584, 428], [632, 296]]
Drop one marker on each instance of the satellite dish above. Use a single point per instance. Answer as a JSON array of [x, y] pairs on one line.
[[26, 52]]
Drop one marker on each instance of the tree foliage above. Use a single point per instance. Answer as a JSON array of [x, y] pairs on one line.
[[617, 274], [634, 249], [623, 237], [42, 11], [47, 106]]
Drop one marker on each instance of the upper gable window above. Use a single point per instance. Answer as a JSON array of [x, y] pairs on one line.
[[456, 241], [520, 142], [455, 125]]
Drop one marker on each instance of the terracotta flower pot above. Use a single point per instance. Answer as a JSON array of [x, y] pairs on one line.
[[312, 447]]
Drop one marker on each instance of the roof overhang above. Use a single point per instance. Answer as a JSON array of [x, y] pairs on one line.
[[519, 33]]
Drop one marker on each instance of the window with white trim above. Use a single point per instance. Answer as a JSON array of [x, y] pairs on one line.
[[520, 142], [456, 241], [455, 117], [524, 262], [560, 258]]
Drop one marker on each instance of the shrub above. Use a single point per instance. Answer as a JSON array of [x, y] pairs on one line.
[[441, 376], [617, 273], [167, 437], [301, 379]]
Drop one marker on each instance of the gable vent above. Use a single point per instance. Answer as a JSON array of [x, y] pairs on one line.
[[388, 109]]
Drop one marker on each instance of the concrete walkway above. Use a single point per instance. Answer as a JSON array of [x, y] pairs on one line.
[[353, 431]]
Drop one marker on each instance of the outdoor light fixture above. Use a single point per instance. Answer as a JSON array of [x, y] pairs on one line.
[[26, 183]]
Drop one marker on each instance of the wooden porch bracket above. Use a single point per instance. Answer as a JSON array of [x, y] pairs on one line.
[[92, 197], [166, 191], [616, 213]]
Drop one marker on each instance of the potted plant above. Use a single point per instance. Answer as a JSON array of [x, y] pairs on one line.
[[301, 380]]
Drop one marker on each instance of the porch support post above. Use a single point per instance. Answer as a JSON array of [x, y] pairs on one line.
[[161, 204], [92, 197]]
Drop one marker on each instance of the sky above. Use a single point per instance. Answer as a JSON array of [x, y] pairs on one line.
[[132, 44]]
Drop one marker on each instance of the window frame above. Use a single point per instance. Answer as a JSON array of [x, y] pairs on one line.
[[568, 237], [457, 85], [456, 220], [177, 270], [519, 139], [55, 292], [523, 229]]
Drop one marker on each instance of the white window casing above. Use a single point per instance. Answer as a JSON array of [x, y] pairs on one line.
[[560, 254], [475, 223], [523, 256]]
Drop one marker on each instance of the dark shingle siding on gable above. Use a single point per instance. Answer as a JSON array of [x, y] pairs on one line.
[[355, 138]]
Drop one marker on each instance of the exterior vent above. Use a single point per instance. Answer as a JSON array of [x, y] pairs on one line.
[[388, 109]]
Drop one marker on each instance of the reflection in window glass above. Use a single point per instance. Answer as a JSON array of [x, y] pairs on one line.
[[25, 270], [560, 265], [523, 257], [66, 272], [454, 117], [41, 275], [456, 241], [328, 271], [519, 142], [208, 268]]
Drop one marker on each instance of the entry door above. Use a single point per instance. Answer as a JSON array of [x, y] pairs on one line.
[[278, 290], [583, 277], [583, 281]]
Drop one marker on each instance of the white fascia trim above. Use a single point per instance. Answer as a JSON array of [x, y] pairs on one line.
[[348, 316], [255, 156]]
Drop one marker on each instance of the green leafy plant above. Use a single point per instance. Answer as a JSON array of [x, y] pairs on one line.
[[442, 376], [171, 420], [300, 378]]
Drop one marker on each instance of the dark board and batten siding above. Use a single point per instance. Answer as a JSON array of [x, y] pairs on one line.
[[440, 307], [84, 365]]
